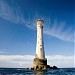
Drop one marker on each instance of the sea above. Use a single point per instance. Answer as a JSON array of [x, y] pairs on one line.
[[22, 71]]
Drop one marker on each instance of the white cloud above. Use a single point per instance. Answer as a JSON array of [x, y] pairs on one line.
[[61, 61], [16, 60], [27, 60]]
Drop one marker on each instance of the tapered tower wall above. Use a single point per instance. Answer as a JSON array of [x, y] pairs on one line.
[[40, 45]]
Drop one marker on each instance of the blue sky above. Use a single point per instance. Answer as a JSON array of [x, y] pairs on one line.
[[18, 31]]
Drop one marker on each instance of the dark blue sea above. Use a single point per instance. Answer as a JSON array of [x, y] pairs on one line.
[[21, 71]]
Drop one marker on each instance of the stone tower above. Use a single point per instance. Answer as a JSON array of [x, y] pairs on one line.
[[40, 62]]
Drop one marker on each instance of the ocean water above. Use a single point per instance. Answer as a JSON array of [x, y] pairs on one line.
[[21, 71]]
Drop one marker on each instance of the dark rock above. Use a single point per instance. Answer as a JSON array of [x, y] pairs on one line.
[[32, 68], [54, 67]]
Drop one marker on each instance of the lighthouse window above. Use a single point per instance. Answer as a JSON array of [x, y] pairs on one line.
[[40, 48]]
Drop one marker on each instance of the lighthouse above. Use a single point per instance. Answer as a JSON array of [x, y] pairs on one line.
[[40, 61], [40, 44]]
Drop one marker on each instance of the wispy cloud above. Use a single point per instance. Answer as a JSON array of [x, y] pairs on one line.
[[58, 30], [2, 52], [27, 60], [11, 13], [14, 14]]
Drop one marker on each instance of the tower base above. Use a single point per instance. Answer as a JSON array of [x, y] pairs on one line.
[[40, 64]]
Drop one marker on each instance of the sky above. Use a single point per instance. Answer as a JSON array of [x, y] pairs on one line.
[[18, 32]]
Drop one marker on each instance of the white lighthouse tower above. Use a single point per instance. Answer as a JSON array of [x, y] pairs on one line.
[[40, 62], [40, 45]]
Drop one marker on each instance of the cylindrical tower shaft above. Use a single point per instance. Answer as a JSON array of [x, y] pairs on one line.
[[40, 45]]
